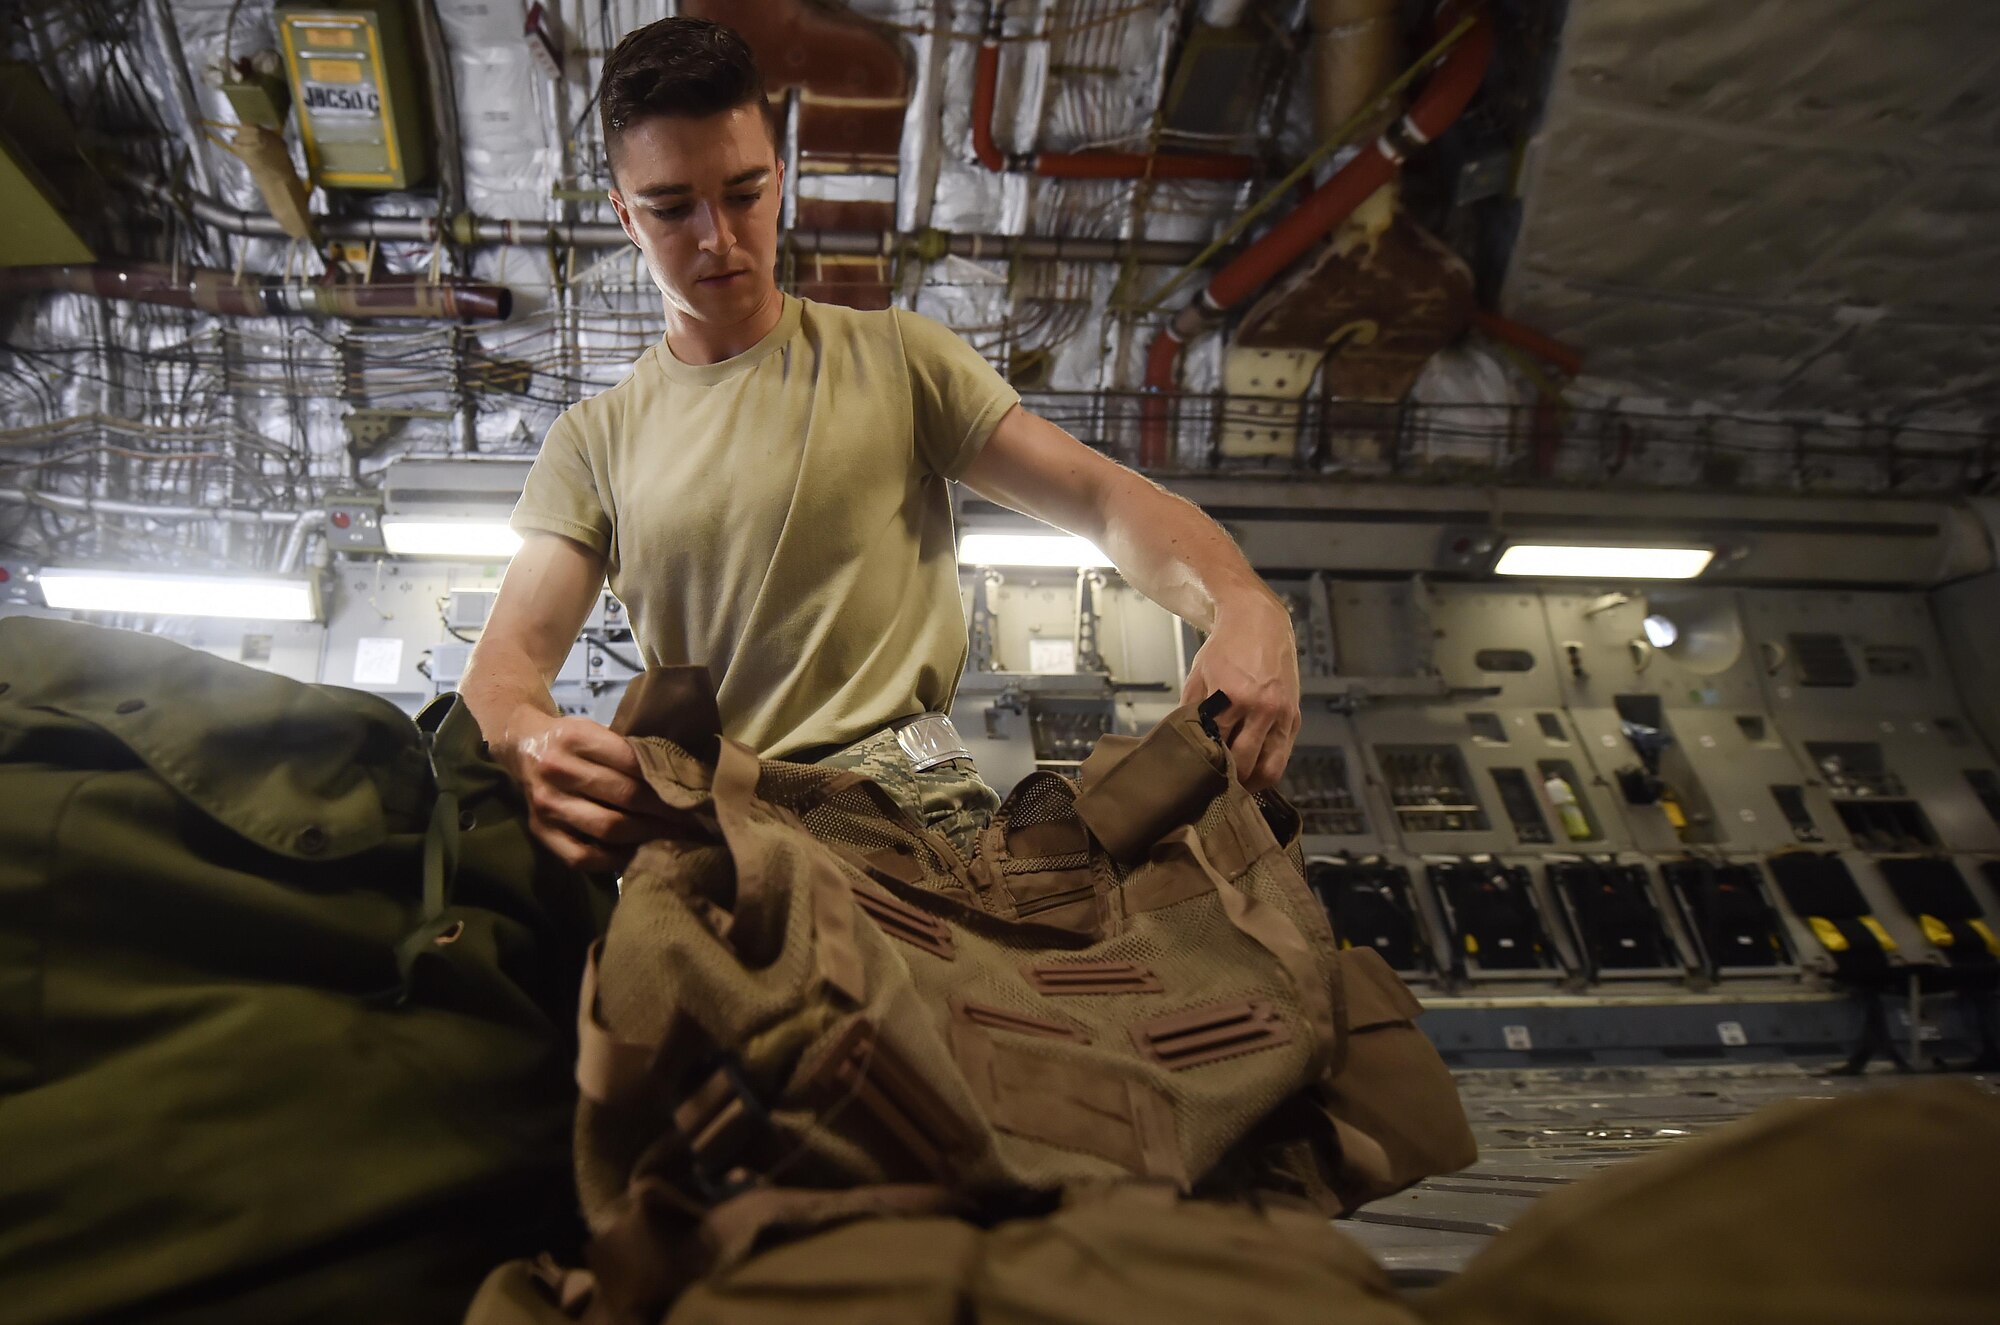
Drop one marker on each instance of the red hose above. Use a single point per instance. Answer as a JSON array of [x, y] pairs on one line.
[[1301, 228], [986, 79], [1538, 343], [1442, 101], [1161, 356], [1086, 165]]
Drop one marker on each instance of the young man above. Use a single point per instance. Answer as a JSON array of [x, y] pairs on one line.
[[767, 492]]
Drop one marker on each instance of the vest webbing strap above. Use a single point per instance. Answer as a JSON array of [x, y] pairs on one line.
[[608, 1070], [1270, 929]]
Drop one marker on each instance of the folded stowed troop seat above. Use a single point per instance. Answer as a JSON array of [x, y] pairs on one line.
[[808, 1008]]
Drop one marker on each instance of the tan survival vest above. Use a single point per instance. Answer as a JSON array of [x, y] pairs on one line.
[[808, 1008]]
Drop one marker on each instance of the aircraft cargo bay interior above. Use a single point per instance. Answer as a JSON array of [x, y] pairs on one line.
[[999, 660]]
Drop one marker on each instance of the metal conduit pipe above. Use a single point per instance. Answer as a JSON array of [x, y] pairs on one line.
[[1059, 248], [302, 523], [308, 522], [148, 510], [1079, 165], [1442, 101], [219, 292], [464, 228], [928, 245]]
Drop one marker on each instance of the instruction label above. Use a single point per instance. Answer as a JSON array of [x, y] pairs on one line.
[[378, 661]]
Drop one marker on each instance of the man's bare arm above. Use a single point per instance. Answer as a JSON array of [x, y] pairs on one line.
[[1175, 555], [586, 802]]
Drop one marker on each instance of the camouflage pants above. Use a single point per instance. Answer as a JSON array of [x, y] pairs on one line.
[[951, 798]]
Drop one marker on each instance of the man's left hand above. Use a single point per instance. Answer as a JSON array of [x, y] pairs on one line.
[[1253, 658]]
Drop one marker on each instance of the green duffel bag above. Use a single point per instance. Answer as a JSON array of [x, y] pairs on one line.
[[287, 995]]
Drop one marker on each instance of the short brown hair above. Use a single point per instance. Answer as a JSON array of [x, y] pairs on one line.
[[678, 66]]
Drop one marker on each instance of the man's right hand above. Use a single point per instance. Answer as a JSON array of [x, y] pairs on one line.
[[587, 801]]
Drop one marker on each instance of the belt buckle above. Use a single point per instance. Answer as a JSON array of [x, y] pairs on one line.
[[931, 740]]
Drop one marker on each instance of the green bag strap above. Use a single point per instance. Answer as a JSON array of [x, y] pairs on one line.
[[440, 854], [441, 835], [439, 866]]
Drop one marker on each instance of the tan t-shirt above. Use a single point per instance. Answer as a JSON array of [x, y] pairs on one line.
[[783, 516]]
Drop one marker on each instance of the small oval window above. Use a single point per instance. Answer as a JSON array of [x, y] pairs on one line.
[[1503, 660]]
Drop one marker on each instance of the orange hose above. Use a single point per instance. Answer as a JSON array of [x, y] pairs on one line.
[[986, 79], [1538, 343], [1161, 358]]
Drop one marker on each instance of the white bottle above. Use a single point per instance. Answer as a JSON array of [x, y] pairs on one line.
[[1560, 795]]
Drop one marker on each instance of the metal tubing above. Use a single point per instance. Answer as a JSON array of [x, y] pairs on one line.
[[295, 541], [475, 230], [220, 292], [145, 510], [302, 523]]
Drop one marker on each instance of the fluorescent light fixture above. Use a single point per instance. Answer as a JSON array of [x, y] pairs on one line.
[[244, 597], [1592, 562], [1028, 550], [471, 539], [1661, 632]]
